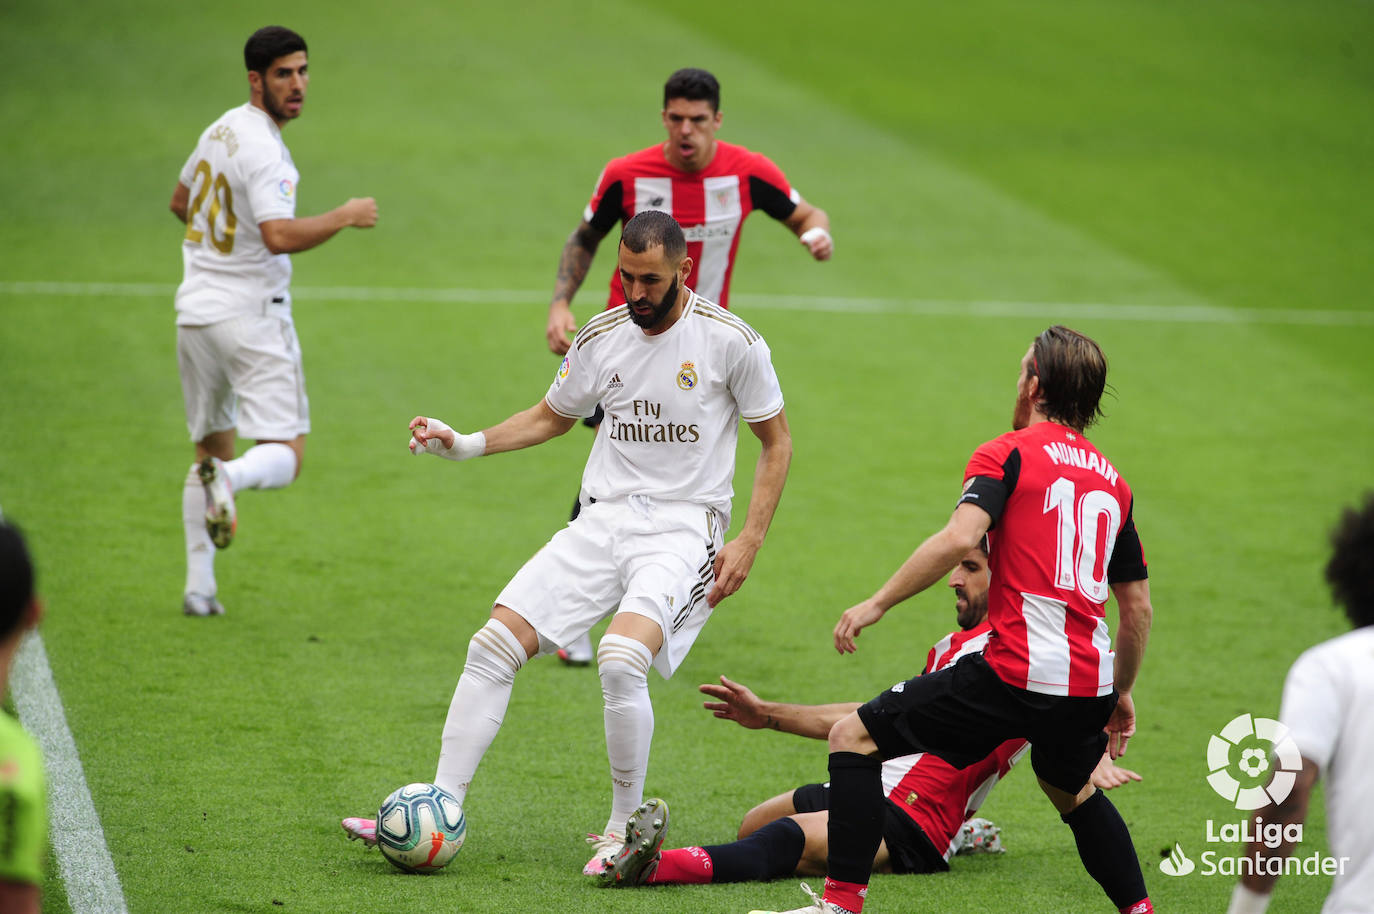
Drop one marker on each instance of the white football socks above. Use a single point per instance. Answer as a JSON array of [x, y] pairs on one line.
[[262, 466], [624, 667], [478, 706], [200, 552]]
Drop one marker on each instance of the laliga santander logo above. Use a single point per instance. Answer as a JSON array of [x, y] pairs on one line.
[[1239, 759]]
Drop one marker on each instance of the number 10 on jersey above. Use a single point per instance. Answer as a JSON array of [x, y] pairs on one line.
[[1080, 521]]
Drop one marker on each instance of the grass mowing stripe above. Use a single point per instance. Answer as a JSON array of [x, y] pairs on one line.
[[1164, 314], [77, 838]]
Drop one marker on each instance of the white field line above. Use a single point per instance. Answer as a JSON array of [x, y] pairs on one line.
[[1173, 314], [78, 841]]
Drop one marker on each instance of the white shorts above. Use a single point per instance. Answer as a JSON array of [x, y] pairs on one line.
[[635, 554], [243, 373]]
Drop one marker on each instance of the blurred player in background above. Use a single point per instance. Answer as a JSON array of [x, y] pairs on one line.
[[1328, 708], [23, 805], [709, 186], [237, 350], [930, 804], [676, 374], [1059, 521]]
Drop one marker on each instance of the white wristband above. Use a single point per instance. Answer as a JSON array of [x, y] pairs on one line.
[[813, 233], [1248, 901]]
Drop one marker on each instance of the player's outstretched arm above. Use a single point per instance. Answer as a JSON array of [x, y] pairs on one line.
[[738, 703], [1135, 614], [811, 225], [525, 429], [931, 561], [573, 265], [736, 557], [291, 236]]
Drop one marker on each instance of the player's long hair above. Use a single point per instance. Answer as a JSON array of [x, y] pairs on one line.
[[1073, 374], [1351, 569]]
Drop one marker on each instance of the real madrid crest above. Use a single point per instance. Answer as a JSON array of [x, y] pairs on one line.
[[687, 376]]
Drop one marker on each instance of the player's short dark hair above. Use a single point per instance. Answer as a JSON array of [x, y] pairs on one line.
[[983, 545], [1073, 374], [654, 227], [694, 85], [267, 44], [16, 578], [1351, 569]]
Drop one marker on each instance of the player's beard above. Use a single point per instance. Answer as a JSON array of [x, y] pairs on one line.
[[275, 106], [657, 311], [1021, 413], [973, 609]]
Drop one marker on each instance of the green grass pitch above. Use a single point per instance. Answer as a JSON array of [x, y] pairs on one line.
[[1189, 183]]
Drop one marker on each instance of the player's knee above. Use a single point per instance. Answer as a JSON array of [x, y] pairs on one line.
[[624, 666], [494, 653], [850, 735]]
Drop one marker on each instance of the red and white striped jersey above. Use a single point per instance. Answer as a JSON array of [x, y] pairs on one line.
[[1062, 533], [938, 796], [710, 205]]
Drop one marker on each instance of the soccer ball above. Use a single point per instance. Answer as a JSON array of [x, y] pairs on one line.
[[420, 828]]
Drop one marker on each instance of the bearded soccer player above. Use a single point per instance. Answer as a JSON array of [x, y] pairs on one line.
[[709, 186], [237, 350], [675, 374], [1059, 518]]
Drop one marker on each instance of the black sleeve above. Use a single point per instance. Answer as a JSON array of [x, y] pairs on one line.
[[772, 200], [991, 494], [608, 210], [1128, 556]]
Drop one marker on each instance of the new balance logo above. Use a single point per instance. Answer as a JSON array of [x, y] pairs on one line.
[[655, 201], [899, 687]]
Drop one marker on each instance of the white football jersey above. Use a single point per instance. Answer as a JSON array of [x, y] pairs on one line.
[[240, 175], [673, 402]]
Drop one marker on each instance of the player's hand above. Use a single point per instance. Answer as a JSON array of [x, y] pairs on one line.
[[736, 702], [561, 329], [818, 241], [855, 619], [361, 212], [424, 430], [732, 566], [1120, 726], [1108, 774]]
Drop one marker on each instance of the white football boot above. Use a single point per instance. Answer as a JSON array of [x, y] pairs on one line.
[[359, 829], [817, 906], [644, 830], [198, 604], [603, 846]]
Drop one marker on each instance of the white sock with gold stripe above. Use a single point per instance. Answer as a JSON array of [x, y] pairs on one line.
[[624, 667], [479, 705]]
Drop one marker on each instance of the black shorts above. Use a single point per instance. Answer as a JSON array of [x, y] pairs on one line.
[[963, 712], [908, 846]]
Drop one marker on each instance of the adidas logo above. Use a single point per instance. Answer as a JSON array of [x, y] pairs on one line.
[[615, 382]]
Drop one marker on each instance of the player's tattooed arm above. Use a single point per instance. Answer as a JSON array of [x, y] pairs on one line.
[[573, 265]]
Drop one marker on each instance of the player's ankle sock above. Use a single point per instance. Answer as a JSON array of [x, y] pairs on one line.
[[856, 827], [262, 466], [200, 552], [1104, 845], [479, 705], [768, 853], [629, 717], [1140, 907], [682, 866]]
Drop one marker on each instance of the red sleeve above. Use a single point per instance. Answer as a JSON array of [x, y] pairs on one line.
[[606, 205], [991, 476], [1008, 754], [768, 188], [930, 662]]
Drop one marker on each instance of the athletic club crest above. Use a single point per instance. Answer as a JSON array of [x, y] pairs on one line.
[[687, 376]]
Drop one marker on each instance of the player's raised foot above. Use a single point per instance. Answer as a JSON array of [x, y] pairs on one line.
[[198, 604], [817, 906], [579, 653], [603, 846], [221, 519], [644, 830], [358, 829], [979, 836]]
